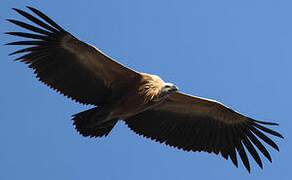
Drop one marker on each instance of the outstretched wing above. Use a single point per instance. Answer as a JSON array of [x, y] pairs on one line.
[[199, 124], [72, 67]]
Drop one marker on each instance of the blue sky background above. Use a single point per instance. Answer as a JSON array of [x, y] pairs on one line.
[[237, 52]]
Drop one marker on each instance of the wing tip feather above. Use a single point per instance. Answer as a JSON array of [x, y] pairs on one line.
[[31, 8], [257, 123], [266, 122], [15, 9], [10, 20]]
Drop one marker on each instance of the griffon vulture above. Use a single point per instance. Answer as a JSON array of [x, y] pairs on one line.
[[147, 104]]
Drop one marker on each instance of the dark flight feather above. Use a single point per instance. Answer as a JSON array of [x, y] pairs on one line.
[[62, 69], [208, 132]]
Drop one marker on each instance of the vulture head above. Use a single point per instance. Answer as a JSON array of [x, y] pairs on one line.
[[166, 90], [155, 89]]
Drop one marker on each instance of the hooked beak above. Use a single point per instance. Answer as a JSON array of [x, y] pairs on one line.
[[170, 88], [173, 89]]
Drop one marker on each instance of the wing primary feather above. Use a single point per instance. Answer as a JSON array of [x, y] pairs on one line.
[[46, 18], [264, 122], [236, 141], [230, 144], [240, 149], [29, 49], [27, 35], [31, 57], [26, 43], [233, 156], [258, 144], [243, 156], [268, 130], [251, 149], [29, 27], [264, 138], [35, 20], [40, 58]]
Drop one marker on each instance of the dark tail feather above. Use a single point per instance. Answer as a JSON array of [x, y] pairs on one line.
[[93, 122]]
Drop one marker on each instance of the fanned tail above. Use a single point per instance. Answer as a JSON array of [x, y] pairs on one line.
[[94, 122]]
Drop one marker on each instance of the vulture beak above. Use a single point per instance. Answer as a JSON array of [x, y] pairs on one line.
[[170, 88], [174, 88]]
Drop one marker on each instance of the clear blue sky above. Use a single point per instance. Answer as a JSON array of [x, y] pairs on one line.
[[237, 52]]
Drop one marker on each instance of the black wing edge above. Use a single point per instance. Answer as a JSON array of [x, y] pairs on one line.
[[44, 37], [247, 134], [43, 40], [235, 139], [53, 65]]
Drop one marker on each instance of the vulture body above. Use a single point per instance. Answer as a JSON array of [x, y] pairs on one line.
[[148, 105]]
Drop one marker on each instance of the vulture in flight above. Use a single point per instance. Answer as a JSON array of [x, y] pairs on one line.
[[148, 105]]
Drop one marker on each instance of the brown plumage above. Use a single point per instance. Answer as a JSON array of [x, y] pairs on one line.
[[148, 105]]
